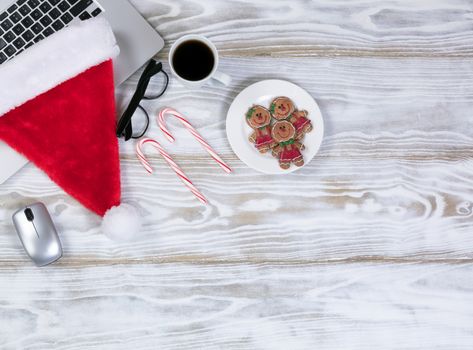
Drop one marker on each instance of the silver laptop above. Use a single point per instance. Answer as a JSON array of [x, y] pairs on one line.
[[26, 22]]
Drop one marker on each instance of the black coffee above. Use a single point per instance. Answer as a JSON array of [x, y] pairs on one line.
[[193, 60]]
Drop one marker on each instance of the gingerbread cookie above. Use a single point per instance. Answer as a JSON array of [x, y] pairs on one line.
[[282, 107], [288, 149], [259, 119], [302, 124]]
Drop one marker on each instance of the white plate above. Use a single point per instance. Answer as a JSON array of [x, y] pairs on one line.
[[262, 93]]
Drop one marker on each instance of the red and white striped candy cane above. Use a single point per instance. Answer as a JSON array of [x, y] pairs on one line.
[[170, 161], [193, 131]]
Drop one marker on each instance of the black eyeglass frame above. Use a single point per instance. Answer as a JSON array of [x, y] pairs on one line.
[[125, 127]]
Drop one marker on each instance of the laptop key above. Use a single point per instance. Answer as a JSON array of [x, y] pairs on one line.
[[54, 13], [6, 24], [3, 43], [3, 15], [37, 28], [9, 37], [33, 3], [45, 7], [3, 58], [85, 15], [27, 22], [15, 17], [18, 29], [96, 12], [1, 31], [72, 2], [20, 2], [64, 6], [53, 2], [58, 25], [66, 18], [24, 10], [19, 43], [80, 7], [47, 32], [28, 35], [12, 8], [10, 50], [38, 38], [45, 21], [36, 14]]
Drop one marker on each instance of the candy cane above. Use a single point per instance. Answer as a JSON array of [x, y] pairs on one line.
[[193, 131], [170, 161]]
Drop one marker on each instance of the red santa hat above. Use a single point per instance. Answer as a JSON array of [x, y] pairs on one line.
[[57, 108]]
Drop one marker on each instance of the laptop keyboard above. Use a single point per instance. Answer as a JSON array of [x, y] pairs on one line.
[[27, 22]]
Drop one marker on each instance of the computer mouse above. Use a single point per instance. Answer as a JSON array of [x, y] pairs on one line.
[[38, 234]]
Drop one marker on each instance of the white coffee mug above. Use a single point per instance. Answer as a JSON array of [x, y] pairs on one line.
[[214, 74]]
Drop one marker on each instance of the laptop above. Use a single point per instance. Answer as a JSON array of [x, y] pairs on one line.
[[23, 23]]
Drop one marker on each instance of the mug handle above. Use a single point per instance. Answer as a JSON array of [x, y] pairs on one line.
[[223, 78]]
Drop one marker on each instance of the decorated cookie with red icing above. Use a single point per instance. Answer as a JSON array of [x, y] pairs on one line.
[[259, 119], [281, 129], [282, 107], [288, 148], [301, 122]]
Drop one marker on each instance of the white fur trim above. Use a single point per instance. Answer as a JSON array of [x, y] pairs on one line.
[[122, 223], [55, 60]]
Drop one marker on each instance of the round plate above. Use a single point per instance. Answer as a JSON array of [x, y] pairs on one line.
[[263, 93]]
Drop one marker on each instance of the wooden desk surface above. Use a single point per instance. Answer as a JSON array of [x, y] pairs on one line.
[[368, 247]]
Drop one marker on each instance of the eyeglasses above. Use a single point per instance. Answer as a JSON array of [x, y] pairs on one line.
[[125, 127]]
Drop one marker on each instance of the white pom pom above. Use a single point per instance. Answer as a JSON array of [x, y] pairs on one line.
[[122, 223]]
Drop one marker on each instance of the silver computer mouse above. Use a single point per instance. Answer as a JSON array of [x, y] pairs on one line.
[[38, 234]]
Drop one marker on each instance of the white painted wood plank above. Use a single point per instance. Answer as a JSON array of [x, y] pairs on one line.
[[394, 209], [393, 179], [270, 306], [320, 28], [375, 252], [377, 99]]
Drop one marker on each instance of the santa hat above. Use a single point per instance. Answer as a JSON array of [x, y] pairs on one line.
[[57, 108]]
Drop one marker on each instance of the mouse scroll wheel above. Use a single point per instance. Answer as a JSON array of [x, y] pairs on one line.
[[29, 214]]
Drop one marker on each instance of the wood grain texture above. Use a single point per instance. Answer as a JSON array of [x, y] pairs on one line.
[[232, 306], [400, 28], [393, 179], [368, 247]]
